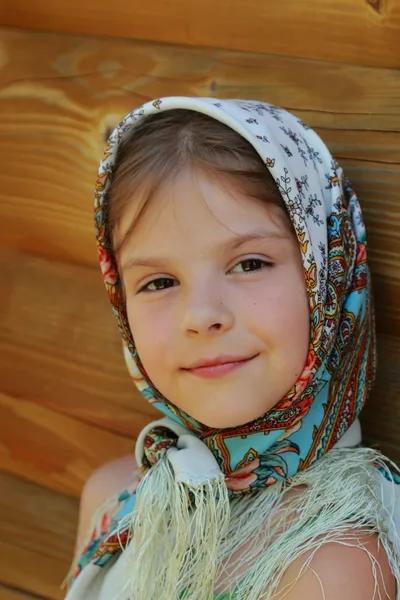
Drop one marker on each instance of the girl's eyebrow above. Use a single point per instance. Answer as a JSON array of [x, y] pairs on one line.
[[237, 241], [231, 244]]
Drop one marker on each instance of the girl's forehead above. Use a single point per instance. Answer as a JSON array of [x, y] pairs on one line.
[[198, 204]]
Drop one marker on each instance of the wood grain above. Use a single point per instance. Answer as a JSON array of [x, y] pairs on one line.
[[62, 348], [364, 33], [8, 593], [53, 450], [37, 536], [377, 186], [381, 415]]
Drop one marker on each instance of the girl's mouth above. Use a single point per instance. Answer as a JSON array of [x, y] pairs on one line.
[[218, 367]]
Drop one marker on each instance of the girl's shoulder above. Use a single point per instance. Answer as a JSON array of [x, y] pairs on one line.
[[104, 483], [356, 565], [356, 569]]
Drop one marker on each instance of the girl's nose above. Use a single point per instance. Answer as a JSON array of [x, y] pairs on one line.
[[207, 318]]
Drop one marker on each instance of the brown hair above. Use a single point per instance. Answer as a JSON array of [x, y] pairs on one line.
[[163, 144]]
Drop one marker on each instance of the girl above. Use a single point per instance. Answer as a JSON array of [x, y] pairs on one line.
[[233, 251]]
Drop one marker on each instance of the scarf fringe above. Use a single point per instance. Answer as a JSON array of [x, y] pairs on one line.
[[183, 550], [176, 531], [340, 500]]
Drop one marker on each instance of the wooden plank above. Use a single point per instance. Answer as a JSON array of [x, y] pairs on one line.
[[60, 94], [364, 33], [84, 73], [378, 187], [381, 415], [8, 593], [62, 348], [37, 219], [37, 537], [53, 450], [85, 377]]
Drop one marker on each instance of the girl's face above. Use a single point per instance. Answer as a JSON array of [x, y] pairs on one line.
[[216, 299]]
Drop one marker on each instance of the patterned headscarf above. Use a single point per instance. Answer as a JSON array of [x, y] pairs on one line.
[[340, 367]]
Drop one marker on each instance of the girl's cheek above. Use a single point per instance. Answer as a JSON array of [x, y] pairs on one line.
[[151, 331], [271, 301], [279, 309]]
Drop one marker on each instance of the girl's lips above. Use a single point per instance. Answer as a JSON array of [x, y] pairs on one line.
[[217, 370]]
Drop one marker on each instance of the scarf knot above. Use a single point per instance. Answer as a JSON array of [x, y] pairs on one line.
[[193, 463], [157, 442]]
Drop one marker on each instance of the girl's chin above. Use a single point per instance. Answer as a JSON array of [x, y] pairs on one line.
[[224, 421]]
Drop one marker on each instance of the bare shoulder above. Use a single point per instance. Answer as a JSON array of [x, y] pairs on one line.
[[109, 478], [106, 481], [356, 570]]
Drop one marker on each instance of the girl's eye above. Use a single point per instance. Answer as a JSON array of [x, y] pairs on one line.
[[158, 285], [251, 264]]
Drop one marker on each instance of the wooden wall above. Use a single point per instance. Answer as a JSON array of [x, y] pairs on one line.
[[365, 32], [66, 402]]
